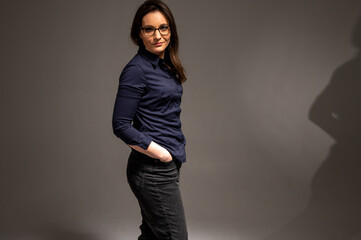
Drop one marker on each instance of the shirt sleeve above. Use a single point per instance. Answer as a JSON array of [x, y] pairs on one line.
[[130, 90]]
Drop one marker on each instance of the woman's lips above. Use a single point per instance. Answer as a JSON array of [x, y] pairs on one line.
[[157, 44]]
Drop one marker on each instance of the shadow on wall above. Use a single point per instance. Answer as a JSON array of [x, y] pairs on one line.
[[334, 210], [49, 233]]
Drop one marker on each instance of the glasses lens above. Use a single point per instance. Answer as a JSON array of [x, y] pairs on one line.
[[148, 31], [164, 30]]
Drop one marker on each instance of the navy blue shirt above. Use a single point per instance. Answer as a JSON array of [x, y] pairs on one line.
[[147, 105]]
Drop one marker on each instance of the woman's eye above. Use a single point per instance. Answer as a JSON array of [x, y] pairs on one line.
[[148, 30], [163, 28]]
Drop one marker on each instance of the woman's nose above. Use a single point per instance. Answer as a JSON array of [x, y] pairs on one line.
[[157, 34]]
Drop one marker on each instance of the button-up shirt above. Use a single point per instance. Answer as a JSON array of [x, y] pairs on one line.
[[147, 106]]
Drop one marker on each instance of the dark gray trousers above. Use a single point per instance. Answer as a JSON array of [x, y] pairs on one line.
[[156, 186]]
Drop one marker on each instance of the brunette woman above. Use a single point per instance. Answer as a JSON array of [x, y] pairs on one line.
[[146, 117]]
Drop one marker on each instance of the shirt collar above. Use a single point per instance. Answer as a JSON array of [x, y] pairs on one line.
[[150, 57]]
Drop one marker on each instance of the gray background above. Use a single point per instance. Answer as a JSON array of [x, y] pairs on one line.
[[271, 112]]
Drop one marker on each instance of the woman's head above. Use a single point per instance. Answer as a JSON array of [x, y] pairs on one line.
[[154, 29], [155, 33]]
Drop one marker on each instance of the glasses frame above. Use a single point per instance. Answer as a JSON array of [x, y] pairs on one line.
[[155, 29]]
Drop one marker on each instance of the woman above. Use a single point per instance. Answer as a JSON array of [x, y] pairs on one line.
[[146, 117]]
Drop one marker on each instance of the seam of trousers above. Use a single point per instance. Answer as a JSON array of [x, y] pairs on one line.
[[163, 210]]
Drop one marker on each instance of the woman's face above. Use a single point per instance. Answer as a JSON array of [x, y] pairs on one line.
[[158, 42]]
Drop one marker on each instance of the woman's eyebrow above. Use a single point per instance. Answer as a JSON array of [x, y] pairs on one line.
[[163, 24]]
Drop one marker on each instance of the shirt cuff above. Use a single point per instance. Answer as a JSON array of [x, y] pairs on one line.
[[145, 142]]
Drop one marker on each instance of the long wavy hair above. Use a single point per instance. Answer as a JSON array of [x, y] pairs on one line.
[[171, 52]]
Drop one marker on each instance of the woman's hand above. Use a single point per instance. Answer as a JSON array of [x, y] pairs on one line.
[[159, 152], [154, 150]]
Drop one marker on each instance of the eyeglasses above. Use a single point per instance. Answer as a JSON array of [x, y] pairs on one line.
[[150, 31]]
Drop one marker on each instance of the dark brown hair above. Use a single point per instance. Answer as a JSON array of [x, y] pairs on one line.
[[171, 52]]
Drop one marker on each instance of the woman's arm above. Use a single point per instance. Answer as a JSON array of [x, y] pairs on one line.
[[130, 90]]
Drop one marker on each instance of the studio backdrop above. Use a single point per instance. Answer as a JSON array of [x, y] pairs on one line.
[[271, 113]]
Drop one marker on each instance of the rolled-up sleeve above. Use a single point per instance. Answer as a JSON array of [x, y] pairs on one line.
[[131, 87]]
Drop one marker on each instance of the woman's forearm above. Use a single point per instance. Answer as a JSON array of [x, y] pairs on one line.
[[154, 150]]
